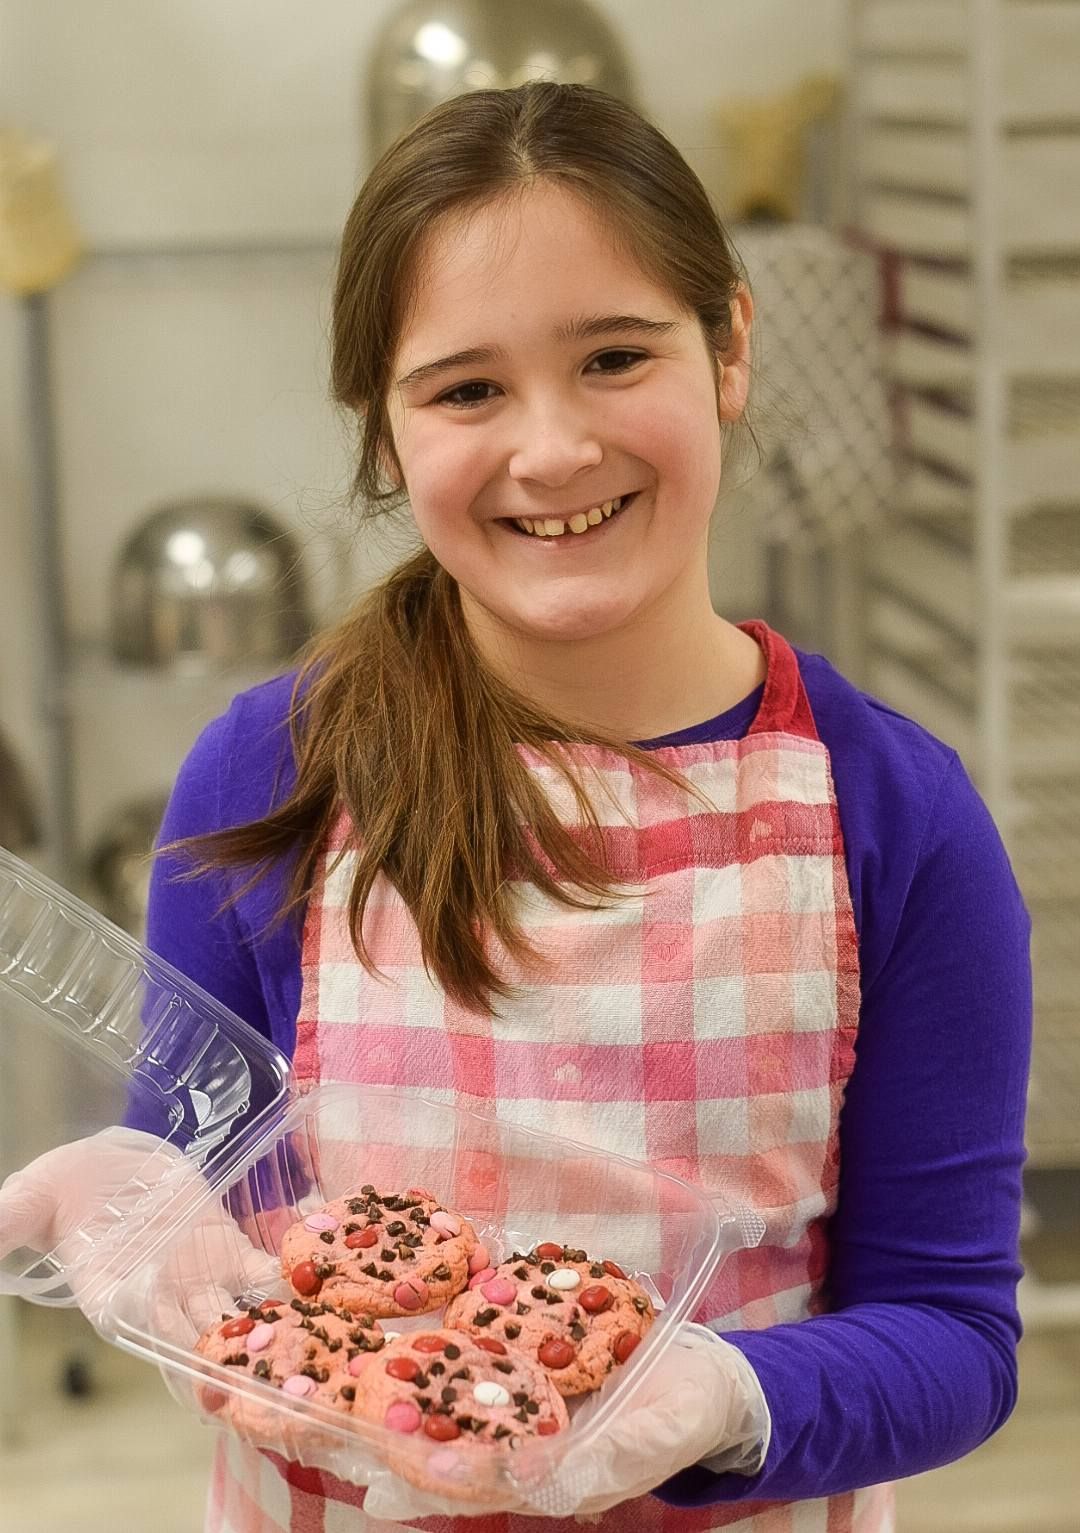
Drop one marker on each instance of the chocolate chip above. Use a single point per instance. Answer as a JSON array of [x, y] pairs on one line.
[[333, 1346], [502, 1367], [368, 1190], [554, 1298], [547, 1266], [356, 1206], [321, 1332], [241, 1358], [387, 1256], [350, 1229], [325, 1270], [512, 1331], [448, 1396], [347, 1392], [462, 1373], [405, 1253], [576, 1256], [577, 1332], [397, 1228], [501, 1432], [522, 1309], [521, 1415], [262, 1369], [532, 1407], [385, 1276], [297, 1304], [442, 1272], [392, 1203], [327, 1237], [365, 1320], [485, 1316], [596, 1270], [419, 1217], [437, 1368], [539, 1292], [641, 1305], [421, 1381], [521, 1396], [424, 1402], [370, 1270], [451, 1351], [522, 1273]]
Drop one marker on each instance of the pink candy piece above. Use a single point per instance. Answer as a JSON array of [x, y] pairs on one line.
[[298, 1384], [411, 1294], [402, 1416], [356, 1365], [319, 1222], [444, 1224], [480, 1278], [480, 1259], [260, 1338], [500, 1291]]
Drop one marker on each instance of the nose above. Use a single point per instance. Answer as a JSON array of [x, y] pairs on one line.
[[555, 442]]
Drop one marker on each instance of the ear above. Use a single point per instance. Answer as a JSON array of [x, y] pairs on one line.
[[735, 362]]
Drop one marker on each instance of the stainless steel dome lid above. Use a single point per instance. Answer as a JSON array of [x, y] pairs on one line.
[[208, 581], [433, 49]]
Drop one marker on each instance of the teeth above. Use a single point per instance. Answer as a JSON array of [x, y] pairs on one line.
[[580, 522]]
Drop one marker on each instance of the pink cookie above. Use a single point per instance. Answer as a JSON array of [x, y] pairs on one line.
[[459, 1405], [578, 1319], [392, 1254], [308, 1351]]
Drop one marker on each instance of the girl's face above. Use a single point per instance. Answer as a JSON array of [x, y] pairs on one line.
[[540, 377]]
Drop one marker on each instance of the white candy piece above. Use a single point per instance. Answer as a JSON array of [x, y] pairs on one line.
[[486, 1393], [391, 1335], [564, 1278]]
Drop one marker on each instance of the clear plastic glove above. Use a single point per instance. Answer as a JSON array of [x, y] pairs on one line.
[[700, 1403], [72, 1200]]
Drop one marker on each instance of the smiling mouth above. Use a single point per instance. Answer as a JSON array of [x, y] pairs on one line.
[[550, 529]]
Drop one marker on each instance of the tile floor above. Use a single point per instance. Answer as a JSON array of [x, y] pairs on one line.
[[127, 1459]]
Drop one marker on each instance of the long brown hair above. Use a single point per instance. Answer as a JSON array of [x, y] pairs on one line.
[[394, 718]]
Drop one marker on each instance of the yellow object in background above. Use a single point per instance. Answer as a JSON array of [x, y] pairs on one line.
[[765, 142], [39, 244]]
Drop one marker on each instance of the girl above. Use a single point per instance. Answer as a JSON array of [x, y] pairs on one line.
[[818, 997]]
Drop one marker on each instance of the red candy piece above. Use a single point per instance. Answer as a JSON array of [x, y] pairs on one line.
[[556, 1353], [442, 1428], [403, 1368], [305, 1279], [547, 1428], [624, 1344], [594, 1301], [359, 1240], [428, 1343], [489, 1344], [549, 1252], [613, 1269], [238, 1327]]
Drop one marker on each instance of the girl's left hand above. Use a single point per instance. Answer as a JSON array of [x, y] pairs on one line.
[[700, 1403]]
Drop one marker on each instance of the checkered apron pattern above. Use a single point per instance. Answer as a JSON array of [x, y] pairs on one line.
[[705, 1025]]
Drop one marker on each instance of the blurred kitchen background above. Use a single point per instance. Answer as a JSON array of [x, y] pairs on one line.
[[902, 180]]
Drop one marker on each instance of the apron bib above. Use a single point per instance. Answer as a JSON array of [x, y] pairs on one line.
[[706, 1026]]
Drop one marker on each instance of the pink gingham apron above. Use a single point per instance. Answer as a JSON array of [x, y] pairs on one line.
[[708, 1028]]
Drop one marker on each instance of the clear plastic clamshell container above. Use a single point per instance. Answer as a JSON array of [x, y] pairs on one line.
[[219, 1154]]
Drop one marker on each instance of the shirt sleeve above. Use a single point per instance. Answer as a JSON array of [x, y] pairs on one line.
[[914, 1364], [189, 920]]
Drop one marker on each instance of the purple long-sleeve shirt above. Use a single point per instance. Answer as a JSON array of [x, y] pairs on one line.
[[914, 1364]]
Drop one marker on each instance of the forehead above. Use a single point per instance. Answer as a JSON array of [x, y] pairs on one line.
[[520, 264]]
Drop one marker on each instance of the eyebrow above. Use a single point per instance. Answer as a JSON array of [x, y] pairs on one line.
[[582, 328]]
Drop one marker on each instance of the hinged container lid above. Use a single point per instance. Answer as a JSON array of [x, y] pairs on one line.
[[98, 1032]]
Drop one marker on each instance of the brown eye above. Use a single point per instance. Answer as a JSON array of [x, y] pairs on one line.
[[464, 397], [619, 361]]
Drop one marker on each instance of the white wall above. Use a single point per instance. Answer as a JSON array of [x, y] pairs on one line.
[[211, 122]]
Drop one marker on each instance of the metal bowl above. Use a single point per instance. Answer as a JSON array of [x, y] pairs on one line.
[[205, 583], [432, 49]]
